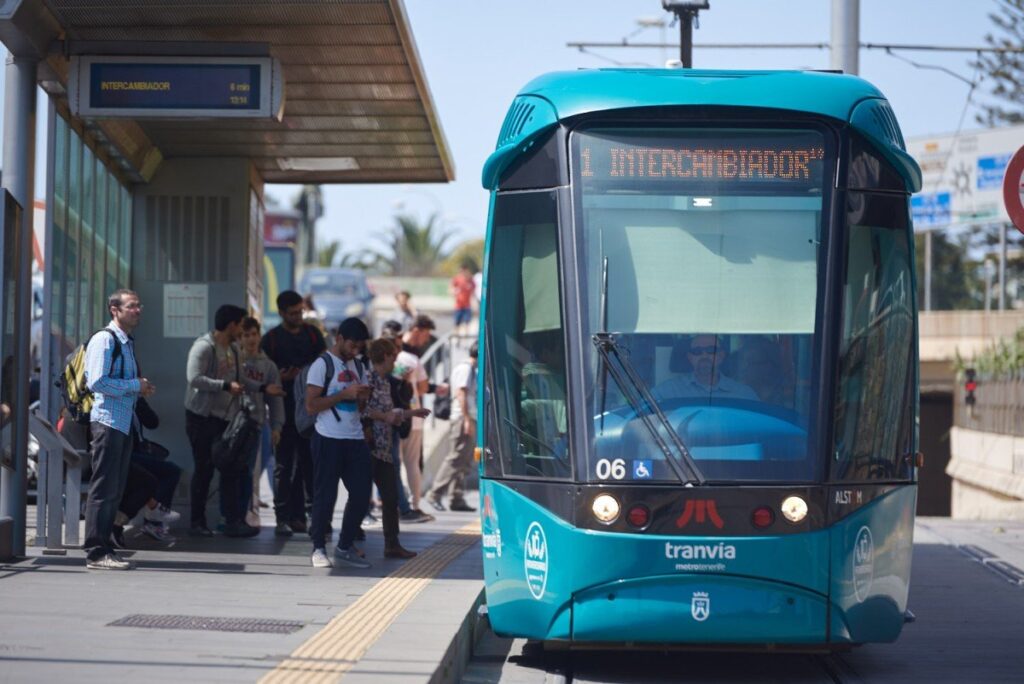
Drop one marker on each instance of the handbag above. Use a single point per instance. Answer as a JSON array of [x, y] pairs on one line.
[[443, 407], [230, 452], [152, 449]]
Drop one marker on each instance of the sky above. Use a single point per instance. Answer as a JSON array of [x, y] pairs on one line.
[[477, 54]]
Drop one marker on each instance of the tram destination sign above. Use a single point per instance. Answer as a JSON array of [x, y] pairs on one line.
[[176, 87], [788, 159]]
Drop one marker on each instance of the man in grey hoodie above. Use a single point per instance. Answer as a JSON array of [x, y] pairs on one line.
[[215, 381]]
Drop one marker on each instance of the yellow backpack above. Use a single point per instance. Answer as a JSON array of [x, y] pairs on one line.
[[78, 399]]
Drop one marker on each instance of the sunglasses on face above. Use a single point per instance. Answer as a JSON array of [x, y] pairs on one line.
[[698, 351]]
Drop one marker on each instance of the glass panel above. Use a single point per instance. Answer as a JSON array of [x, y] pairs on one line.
[[99, 245], [526, 360], [701, 255], [74, 250], [874, 401], [58, 258], [126, 237], [86, 323]]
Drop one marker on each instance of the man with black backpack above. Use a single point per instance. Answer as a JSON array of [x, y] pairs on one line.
[[292, 345], [112, 376]]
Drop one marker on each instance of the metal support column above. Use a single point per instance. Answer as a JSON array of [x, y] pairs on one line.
[[845, 36], [19, 141], [928, 271], [1002, 266]]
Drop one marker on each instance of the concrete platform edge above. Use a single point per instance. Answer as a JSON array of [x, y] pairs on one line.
[[460, 651]]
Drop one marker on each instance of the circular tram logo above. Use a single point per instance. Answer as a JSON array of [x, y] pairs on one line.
[[863, 563], [536, 560]]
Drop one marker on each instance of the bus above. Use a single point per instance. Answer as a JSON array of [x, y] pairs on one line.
[[698, 392]]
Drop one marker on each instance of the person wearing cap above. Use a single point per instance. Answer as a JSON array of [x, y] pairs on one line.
[[337, 398]]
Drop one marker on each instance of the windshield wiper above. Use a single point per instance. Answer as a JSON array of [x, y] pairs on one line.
[[635, 390], [533, 438]]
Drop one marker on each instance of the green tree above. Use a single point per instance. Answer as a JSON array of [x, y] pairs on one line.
[[411, 248], [1005, 70], [956, 281], [326, 253], [470, 253]]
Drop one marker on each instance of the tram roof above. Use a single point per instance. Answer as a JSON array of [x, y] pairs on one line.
[[558, 96], [354, 85]]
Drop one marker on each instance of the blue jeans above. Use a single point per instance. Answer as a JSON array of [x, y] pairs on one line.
[[349, 460]]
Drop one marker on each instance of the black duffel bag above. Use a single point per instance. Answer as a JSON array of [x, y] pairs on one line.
[[231, 451]]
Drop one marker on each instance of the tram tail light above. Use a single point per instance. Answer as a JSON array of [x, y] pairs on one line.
[[606, 508], [639, 516], [763, 517]]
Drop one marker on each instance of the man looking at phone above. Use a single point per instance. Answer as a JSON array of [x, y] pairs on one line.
[[292, 345], [336, 393]]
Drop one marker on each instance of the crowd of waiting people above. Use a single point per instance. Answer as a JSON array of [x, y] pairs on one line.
[[352, 411]]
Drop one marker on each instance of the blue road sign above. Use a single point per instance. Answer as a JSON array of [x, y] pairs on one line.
[[991, 171], [931, 209]]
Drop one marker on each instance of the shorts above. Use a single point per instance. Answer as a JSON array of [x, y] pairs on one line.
[[463, 316]]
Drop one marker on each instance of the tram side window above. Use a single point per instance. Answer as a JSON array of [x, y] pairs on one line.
[[526, 348], [874, 403]]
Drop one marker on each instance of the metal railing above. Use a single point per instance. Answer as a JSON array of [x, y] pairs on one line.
[[999, 407]]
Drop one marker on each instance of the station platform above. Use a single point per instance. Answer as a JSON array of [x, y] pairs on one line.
[[246, 610]]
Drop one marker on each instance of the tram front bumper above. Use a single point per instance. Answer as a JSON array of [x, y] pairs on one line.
[[705, 609]]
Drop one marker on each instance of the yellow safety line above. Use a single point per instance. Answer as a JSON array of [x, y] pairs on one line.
[[335, 649]]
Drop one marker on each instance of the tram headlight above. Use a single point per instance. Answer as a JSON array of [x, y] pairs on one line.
[[606, 508], [794, 509]]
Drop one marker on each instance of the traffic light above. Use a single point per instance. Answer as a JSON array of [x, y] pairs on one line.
[[970, 384]]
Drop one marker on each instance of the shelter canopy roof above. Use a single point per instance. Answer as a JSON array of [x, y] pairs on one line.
[[354, 86]]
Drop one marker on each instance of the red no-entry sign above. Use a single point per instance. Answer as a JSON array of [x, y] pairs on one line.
[[1013, 189]]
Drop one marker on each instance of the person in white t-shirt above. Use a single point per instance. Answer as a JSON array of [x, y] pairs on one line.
[[338, 445], [462, 432]]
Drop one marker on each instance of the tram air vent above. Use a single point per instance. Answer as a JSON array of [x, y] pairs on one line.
[[886, 120], [516, 119]]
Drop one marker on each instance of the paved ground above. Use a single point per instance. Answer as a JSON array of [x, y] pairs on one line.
[[55, 615], [969, 627]]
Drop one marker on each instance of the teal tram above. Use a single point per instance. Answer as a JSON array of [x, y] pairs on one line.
[[698, 393]]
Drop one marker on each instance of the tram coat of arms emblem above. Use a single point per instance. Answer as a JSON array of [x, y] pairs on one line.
[[700, 606]]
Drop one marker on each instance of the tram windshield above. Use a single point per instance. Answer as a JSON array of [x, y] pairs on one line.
[[701, 260]]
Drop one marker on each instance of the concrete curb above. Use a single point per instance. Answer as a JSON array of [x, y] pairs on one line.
[[460, 651]]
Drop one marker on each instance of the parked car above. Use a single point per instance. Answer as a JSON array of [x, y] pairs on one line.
[[338, 293]]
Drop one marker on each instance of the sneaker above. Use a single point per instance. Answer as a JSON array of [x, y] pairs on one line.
[[319, 559], [240, 529], [436, 503], [161, 514], [117, 537], [157, 531], [371, 521], [298, 526], [461, 506], [416, 516], [200, 531], [252, 518], [110, 561], [282, 529], [350, 557]]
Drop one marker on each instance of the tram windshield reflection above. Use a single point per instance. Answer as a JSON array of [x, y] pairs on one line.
[[702, 258]]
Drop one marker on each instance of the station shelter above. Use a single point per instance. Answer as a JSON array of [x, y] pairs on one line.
[[157, 159]]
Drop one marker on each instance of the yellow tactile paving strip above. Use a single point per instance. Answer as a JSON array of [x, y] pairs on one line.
[[336, 648]]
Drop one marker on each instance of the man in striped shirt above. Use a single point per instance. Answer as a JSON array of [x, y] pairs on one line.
[[114, 380]]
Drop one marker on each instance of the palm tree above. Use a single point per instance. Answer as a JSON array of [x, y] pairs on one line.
[[411, 248]]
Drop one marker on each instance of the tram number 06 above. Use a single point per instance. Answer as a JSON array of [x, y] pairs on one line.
[[613, 470]]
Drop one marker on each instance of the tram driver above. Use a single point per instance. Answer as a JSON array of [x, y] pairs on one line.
[[706, 354]]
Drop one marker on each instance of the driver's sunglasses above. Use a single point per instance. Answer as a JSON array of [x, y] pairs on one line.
[[698, 351]]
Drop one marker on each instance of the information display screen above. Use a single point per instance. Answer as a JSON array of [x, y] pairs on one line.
[[175, 86], [700, 157]]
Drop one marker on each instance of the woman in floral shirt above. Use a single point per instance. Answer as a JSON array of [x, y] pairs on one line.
[[385, 417]]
